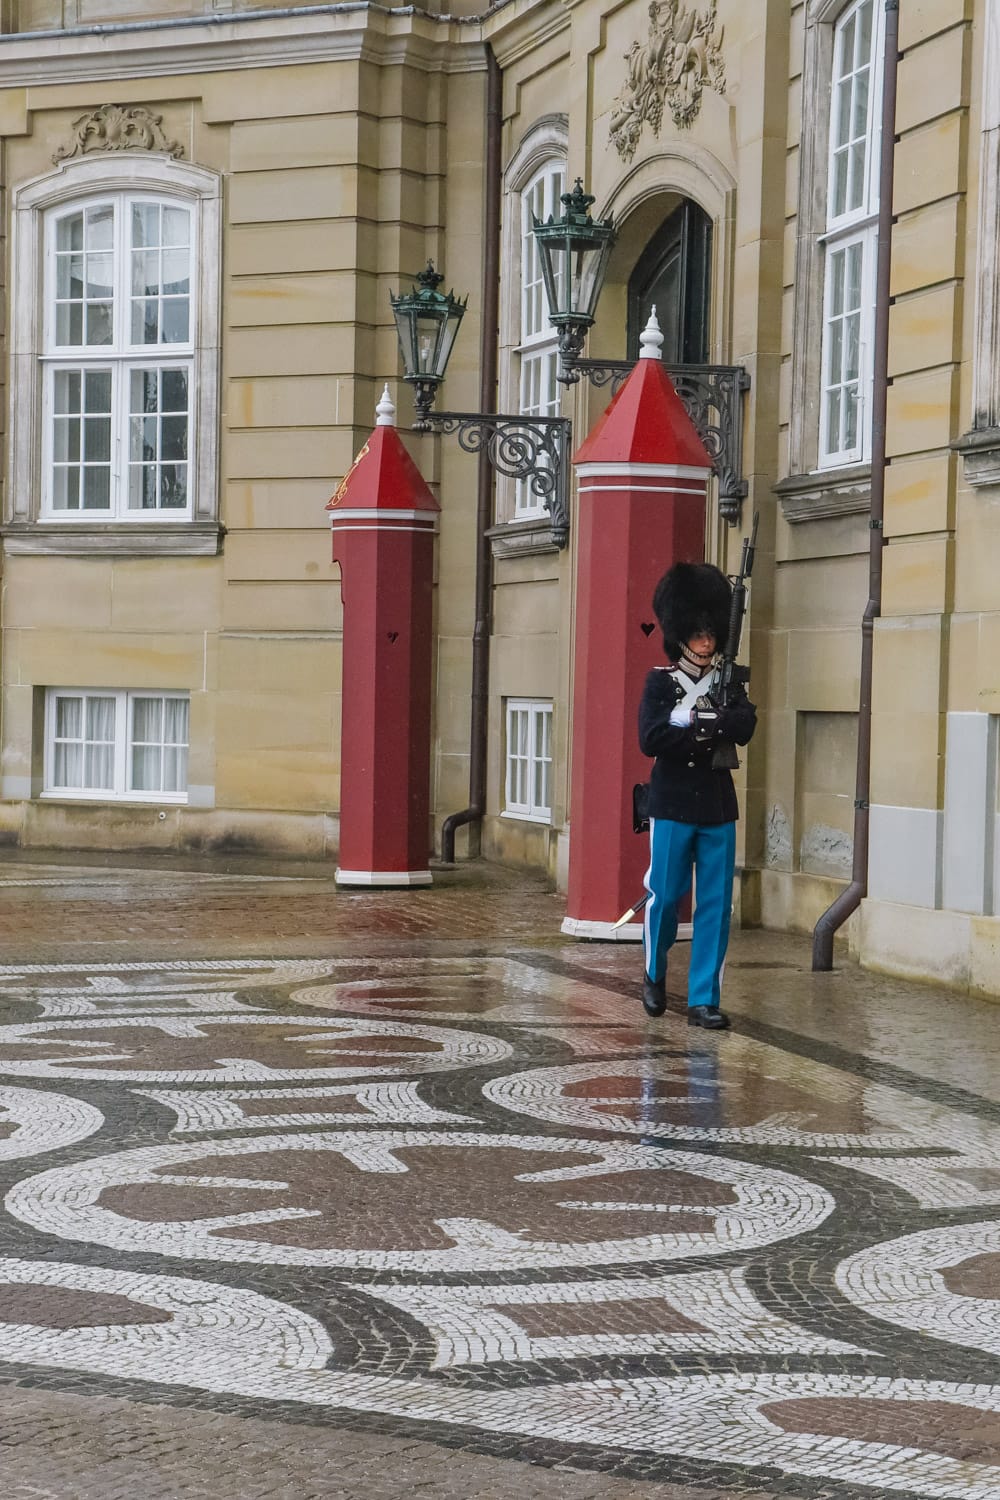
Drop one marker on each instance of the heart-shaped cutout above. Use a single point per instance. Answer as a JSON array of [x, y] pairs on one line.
[[393, 636], [647, 628]]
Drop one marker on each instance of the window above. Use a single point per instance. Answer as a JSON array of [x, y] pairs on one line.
[[529, 760], [119, 343], [115, 347], [539, 360], [109, 744], [850, 236]]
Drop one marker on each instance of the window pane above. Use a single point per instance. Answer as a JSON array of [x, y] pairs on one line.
[[69, 232], [66, 440], [147, 719], [69, 717], [176, 320], [96, 439], [175, 390], [100, 718], [837, 283], [176, 226], [97, 391], [850, 417], [146, 761], [175, 272], [67, 391], [176, 715], [66, 489], [67, 766], [96, 489], [100, 323], [100, 227], [145, 224], [833, 422]]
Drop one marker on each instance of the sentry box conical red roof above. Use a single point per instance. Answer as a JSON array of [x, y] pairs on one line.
[[647, 422], [383, 476]]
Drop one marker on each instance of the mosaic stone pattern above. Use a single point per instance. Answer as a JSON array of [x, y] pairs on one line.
[[485, 1201]]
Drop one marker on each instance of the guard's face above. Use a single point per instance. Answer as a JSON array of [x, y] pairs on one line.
[[702, 645]]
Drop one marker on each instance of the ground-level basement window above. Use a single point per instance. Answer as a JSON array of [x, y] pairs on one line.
[[529, 760], [116, 744]]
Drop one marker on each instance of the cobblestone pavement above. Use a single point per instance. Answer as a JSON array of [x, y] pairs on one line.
[[309, 1193]]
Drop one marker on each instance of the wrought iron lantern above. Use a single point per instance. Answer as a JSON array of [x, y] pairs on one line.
[[426, 324], [573, 253]]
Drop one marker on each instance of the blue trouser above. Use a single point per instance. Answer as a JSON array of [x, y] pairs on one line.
[[675, 850]]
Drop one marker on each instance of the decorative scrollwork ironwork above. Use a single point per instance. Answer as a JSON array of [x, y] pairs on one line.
[[532, 449], [712, 398]]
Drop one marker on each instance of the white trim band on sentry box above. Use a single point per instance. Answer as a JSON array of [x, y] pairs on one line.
[[383, 877], [599, 487], [376, 513], [607, 931], [624, 470]]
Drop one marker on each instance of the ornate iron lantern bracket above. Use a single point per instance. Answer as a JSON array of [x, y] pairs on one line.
[[532, 449], [712, 396]]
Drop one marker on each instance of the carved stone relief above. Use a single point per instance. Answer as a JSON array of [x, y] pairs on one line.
[[117, 127], [671, 69]]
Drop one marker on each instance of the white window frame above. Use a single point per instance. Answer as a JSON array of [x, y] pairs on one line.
[[124, 712], [543, 147], [537, 351], [120, 359], [855, 225], [536, 715], [30, 524]]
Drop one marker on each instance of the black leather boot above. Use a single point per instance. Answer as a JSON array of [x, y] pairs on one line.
[[708, 1016], [654, 995]]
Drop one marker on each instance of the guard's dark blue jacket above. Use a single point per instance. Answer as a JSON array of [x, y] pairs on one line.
[[683, 785]]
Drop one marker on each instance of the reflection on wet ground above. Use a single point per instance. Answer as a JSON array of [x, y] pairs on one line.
[[459, 1185]]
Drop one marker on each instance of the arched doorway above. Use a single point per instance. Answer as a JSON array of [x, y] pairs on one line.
[[674, 273]]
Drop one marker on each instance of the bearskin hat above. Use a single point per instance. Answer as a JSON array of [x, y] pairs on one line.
[[689, 599]]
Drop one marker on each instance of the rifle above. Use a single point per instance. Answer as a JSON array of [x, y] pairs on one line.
[[732, 678]]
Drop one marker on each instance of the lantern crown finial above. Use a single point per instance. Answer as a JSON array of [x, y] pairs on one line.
[[651, 339]]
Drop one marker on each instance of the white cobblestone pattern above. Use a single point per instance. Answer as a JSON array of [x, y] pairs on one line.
[[968, 1180], [900, 1282], [226, 1340], [898, 1121], [32, 1122], [222, 1109], [478, 1324], [107, 1041], [770, 1205]]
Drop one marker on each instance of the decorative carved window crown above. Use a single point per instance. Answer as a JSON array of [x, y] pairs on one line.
[[117, 127]]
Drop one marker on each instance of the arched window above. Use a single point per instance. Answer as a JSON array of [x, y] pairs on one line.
[[674, 275], [115, 343]]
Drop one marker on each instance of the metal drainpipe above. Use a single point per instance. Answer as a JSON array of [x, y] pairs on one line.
[[850, 899], [488, 360]]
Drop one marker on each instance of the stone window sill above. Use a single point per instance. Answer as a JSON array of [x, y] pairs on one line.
[[522, 538], [980, 450], [112, 539], [825, 493]]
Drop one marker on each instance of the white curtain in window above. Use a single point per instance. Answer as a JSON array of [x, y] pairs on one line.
[[99, 751], [175, 744]]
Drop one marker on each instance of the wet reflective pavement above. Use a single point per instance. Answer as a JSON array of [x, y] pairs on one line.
[[415, 1186]]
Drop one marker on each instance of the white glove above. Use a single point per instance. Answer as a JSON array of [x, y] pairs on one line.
[[681, 716]]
